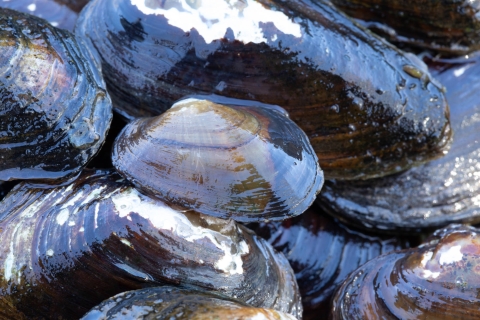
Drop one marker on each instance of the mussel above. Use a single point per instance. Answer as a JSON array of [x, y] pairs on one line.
[[447, 26], [65, 249], [437, 280], [432, 195], [178, 304], [54, 108], [234, 159], [60, 13], [368, 109], [322, 252]]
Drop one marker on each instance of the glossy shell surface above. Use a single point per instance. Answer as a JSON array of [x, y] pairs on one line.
[[322, 252], [432, 195], [248, 163], [368, 109], [438, 280], [66, 249], [55, 111], [179, 304], [60, 13], [448, 26]]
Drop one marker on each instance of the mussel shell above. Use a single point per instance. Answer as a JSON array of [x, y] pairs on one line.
[[176, 303], [433, 195], [60, 13], [368, 109], [55, 111], [438, 280], [66, 249], [322, 252], [244, 161], [447, 26]]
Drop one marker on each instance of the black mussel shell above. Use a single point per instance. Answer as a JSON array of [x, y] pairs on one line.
[[322, 252], [240, 160], [60, 13], [437, 280], [432, 195], [447, 26], [179, 304], [66, 249], [368, 109], [5, 187], [55, 111]]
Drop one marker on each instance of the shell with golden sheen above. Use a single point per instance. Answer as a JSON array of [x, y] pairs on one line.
[[66, 249], [248, 163], [368, 109], [437, 280], [177, 303], [55, 111]]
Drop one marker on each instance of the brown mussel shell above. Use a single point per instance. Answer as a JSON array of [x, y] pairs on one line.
[[437, 280], [60, 13], [435, 194], [176, 303], [55, 111], [368, 109], [240, 160], [322, 252], [66, 249], [447, 26]]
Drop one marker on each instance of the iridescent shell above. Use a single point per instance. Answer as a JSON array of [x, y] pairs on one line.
[[438, 280], [241, 160], [368, 109], [55, 111], [66, 249], [448, 26], [178, 304], [322, 252], [432, 195]]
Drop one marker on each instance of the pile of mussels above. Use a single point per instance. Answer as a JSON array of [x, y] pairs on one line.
[[265, 159]]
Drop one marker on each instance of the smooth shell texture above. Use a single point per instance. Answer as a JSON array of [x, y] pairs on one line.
[[179, 304], [368, 109], [66, 249], [438, 280], [448, 26], [248, 163], [435, 194], [60, 13], [322, 252], [54, 109]]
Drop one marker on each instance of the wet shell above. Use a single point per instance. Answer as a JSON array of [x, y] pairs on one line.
[[66, 249], [244, 160], [438, 280], [368, 109], [54, 112], [435, 194], [322, 252], [176, 303], [448, 26], [60, 13]]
